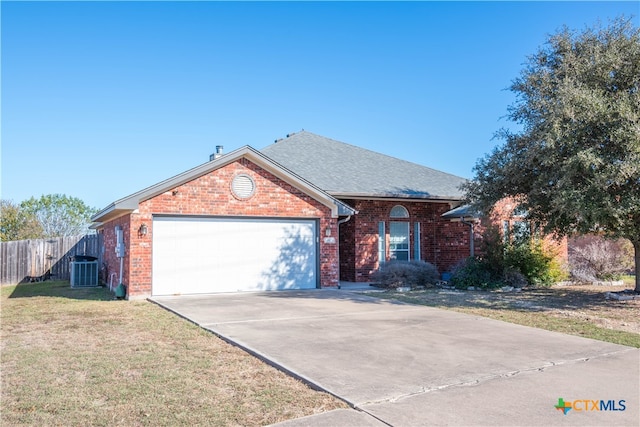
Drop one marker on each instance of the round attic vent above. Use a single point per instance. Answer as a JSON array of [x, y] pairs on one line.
[[243, 186]]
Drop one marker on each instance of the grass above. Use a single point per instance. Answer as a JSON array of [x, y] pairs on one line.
[[76, 357], [576, 310], [629, 280]]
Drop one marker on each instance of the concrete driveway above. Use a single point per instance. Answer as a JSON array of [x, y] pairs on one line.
[[407, 365]]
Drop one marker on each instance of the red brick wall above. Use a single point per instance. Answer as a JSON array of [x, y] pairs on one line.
[[210, 195], [503, 211], [109, 257], [347, 238], [442, 242]]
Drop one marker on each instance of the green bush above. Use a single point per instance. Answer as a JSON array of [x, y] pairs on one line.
[[474, 272], [536, 263], [493, 248], [518, 264], [394, 274]]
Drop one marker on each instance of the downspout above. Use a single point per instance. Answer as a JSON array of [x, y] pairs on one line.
[[471, 238], [121, 269], [120, 250], [340, 221], [343, 220]]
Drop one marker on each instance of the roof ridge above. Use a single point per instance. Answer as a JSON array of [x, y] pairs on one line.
[[376, 153], [343, 168]]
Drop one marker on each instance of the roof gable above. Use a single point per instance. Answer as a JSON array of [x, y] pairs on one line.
[[345, 170], [130, 203]]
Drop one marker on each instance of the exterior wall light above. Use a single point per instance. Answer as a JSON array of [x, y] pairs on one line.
[[143, 230]]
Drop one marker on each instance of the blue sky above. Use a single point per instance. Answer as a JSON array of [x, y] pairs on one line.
[[102, 99]]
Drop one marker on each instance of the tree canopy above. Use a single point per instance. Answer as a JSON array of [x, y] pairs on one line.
[[575, 163], [59, 215], [16, 223]]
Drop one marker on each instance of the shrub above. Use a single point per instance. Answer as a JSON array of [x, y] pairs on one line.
[[513, 277], [492, 249], [395, 274], [558, 271], [537, 263], [518, 264], [594, 258], [530, 260], [474, 272]]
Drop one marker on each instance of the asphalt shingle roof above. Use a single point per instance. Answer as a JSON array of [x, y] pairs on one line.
[[345, 170]]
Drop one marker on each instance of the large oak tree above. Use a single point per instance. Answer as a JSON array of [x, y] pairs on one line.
[[575, 163]]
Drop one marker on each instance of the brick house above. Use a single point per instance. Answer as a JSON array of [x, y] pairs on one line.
[[304, 212], [512, 222]]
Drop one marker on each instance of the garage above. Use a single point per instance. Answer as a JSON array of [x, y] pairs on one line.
[[199, 255], [239, 222]]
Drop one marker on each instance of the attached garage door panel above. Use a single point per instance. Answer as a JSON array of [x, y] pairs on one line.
[[196, 255]]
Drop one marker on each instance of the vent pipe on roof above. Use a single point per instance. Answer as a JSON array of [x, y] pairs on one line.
[[217, 154]]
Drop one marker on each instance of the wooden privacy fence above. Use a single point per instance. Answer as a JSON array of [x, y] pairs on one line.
[[27, 260]]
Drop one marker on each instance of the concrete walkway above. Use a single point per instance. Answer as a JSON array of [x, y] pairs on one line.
[[405, 365]]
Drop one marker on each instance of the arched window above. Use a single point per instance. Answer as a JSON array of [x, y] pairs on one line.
[[399, 212], [399, 234]]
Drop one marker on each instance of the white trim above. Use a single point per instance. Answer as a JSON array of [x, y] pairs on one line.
[[416, 241], [128, 204], [453, 201], [382, 243]]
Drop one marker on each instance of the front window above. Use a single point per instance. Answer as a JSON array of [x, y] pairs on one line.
[[516, 231], [399, 234], [399, 240], [399, 212], [521, 231]]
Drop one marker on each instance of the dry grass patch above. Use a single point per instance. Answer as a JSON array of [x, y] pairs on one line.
[[77, 357], [575, 310]]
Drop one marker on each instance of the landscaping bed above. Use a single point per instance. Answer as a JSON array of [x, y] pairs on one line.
[[76, 357], [582, 310]]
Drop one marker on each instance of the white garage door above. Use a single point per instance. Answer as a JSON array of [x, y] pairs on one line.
[[205, 255]]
